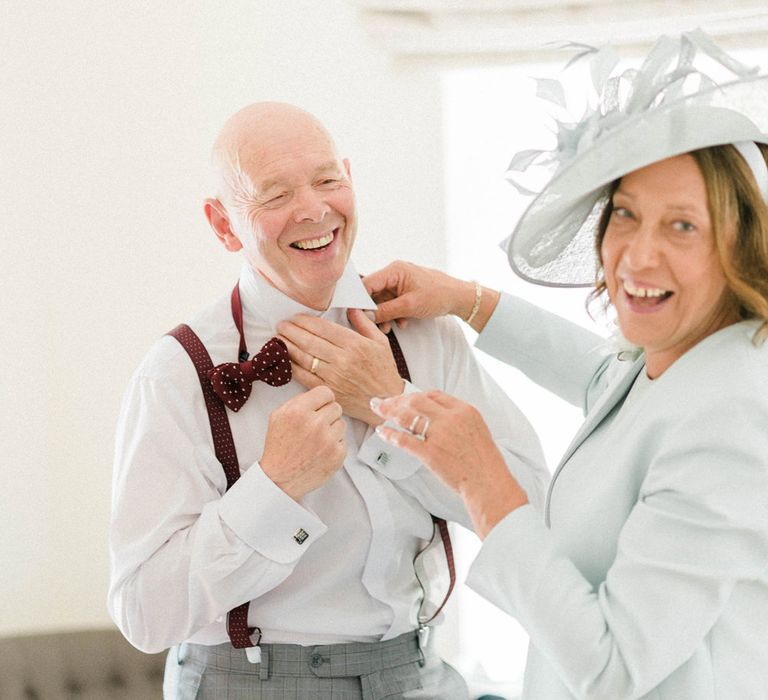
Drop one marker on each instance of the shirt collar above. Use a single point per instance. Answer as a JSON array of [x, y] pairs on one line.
[[261, 299]]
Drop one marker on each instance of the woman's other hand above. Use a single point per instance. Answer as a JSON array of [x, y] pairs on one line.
[[451, 438]]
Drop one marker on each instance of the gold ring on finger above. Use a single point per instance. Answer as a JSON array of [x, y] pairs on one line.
[[419, 434]]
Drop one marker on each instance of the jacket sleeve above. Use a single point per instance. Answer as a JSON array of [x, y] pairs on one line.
[[699, 528], [211, 549], [555, 353]]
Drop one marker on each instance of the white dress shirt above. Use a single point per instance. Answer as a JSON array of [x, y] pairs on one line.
[[184, 550]]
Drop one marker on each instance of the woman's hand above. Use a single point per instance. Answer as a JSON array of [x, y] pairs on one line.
[[404, 290], [451, 438], [355, 365]]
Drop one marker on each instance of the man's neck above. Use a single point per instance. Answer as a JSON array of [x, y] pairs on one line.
[[318, 302]]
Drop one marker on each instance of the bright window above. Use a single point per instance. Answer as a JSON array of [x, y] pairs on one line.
[[489, 114]]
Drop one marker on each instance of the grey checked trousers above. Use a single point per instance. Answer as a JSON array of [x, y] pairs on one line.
[[387, 670]]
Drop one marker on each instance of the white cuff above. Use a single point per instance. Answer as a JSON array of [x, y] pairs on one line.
[[267, 519], [384, 457]]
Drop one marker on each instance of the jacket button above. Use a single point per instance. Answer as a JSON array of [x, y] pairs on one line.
[[316, 661]]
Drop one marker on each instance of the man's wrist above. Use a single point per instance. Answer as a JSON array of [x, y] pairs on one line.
[[398, 388]]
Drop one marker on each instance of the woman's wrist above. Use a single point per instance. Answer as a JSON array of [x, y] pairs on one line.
[[488, 302], [473, 303], [462, 296], [489, 501]]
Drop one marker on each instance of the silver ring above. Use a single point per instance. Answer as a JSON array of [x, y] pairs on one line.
[[315, 364], [421, 434]]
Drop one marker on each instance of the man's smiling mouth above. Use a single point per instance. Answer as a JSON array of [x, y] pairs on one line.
[[315, 243]]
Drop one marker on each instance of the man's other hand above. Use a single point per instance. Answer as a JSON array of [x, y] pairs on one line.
[[305, 443]]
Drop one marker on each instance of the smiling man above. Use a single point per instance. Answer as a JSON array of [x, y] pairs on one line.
[[286, 199], [262, 530]]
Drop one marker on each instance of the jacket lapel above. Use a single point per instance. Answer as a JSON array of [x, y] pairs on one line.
[[602, 407]]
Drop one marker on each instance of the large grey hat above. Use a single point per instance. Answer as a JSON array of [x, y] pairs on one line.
[[642, 116]]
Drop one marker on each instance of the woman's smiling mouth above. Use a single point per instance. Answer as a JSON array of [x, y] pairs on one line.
[[644, 297]]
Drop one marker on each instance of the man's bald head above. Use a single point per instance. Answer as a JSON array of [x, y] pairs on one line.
[[246, 141]]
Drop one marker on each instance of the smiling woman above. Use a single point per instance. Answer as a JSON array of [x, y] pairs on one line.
[[646, 576]]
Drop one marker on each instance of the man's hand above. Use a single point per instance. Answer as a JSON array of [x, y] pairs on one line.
[[356, 365], [305, 443]]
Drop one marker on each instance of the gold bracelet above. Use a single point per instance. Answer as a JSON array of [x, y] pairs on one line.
[[476, 305]]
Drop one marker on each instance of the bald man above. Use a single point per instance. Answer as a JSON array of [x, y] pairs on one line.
[[296, 577]]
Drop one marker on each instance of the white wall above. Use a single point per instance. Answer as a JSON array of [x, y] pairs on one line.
[[107, 113]]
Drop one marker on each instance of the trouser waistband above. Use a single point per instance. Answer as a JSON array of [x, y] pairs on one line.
[[322, 660]]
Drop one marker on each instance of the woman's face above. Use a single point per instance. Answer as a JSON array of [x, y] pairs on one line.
[[662, 269]]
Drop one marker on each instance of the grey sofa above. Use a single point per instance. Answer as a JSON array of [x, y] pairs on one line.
[[91, 664]]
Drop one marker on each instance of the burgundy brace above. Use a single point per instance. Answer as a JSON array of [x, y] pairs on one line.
[[224, 447]]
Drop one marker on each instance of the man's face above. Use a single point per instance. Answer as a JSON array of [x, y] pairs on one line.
[[298, 222]]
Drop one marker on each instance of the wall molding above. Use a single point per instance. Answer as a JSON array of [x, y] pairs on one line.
[[472, 31]]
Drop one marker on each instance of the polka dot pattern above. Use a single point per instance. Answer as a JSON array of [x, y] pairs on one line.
[[237, 628], [442, 528], [232, 381], [397, 353], [224, 446]]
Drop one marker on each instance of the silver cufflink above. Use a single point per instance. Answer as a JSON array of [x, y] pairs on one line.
[[382, 459], [301, 536]]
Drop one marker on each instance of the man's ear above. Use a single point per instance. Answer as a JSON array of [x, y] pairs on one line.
[[219, 220], [347, 168]]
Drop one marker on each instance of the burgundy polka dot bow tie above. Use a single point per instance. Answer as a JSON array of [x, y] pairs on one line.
[[232, 381]]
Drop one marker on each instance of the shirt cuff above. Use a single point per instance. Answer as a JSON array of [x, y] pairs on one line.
[[384, 457], [267, 519]]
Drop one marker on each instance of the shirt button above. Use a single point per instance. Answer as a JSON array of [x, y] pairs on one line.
[[316, 661], [382, 459]]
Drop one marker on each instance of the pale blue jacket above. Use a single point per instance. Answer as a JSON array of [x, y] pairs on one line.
[[648, 577]]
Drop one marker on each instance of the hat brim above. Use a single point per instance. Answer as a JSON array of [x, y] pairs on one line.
[[553, 241]]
